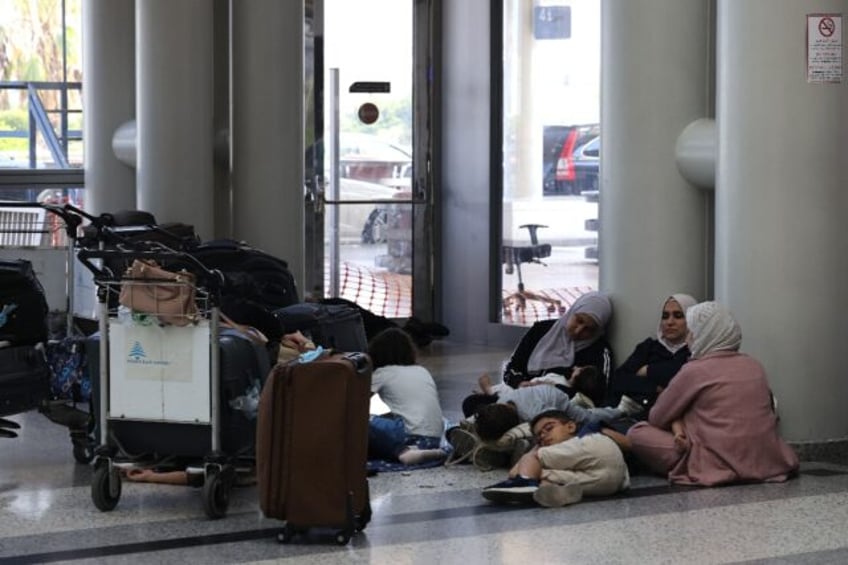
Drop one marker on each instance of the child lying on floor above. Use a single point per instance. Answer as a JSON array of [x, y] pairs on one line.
[[580, 385], [567, 464], [514, 406], [511, 408]]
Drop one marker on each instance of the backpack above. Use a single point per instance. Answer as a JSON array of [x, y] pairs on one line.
[[251, 276]]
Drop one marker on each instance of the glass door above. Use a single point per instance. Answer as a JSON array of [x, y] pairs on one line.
[[363, 193]]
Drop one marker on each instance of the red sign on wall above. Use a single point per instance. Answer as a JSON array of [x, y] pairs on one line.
[[368, 113]]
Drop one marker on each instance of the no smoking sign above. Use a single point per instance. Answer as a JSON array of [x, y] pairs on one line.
[[827, 26], [824, 48]]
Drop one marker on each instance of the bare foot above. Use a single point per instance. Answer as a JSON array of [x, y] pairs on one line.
[[415, 456]]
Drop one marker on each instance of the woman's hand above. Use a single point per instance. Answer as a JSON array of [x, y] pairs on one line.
[[679, 432], [485, 384], [297, 341], [525, 384]]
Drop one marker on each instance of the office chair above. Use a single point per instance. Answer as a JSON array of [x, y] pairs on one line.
[[513, 256]]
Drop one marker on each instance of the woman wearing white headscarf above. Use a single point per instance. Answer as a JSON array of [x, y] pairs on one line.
[[656, 360], [576, 339], [720, 407], [554, 348]]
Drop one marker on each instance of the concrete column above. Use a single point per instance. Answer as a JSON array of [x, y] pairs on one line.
[[780, 209], [652, 237], [109, 100], [267, 128], [465, 117], [174, 57]]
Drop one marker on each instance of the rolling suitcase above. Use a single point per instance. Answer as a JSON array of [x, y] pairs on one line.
[[312, 444], [332, 326], [23, 306], [24, 379]]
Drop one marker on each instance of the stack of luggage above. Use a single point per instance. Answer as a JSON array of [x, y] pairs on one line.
[[24, 372]]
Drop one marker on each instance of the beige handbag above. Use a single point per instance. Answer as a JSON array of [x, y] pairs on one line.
[[148, 288]]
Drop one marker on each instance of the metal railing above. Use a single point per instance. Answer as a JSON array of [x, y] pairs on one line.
[[57, 136]]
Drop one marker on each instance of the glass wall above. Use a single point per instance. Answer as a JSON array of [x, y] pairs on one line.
[[40, 84], [41, 148], [551, 149]]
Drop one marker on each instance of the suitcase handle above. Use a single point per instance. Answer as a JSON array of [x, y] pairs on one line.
[[360, 361]]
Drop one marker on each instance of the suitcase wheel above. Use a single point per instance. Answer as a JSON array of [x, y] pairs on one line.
[[83, 447], [343, 537], [287, 533], [362, 519], [83, 452]]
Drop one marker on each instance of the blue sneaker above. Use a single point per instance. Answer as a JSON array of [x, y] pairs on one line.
[[517, 490]]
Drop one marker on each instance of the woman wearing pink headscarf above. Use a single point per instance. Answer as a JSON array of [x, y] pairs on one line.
[[714, 423]]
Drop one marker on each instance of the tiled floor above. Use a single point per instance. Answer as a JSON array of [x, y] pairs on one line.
[[428, 516]]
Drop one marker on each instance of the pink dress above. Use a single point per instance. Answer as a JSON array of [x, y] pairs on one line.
[[724, 401]]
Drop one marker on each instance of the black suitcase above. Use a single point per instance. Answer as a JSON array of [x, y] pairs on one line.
[[244, 365], [23, 306], [24, 379], [333, 326]]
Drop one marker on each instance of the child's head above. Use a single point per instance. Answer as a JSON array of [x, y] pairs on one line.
[[494, 420], [391, 346], [551, 427], [586, 379]]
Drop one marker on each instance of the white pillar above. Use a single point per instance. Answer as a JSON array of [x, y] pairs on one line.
[[174, 50], [780, 209], [267, 128], [653, 224], [109, 100]]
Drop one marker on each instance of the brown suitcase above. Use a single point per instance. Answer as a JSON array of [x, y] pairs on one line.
[[312, 445]]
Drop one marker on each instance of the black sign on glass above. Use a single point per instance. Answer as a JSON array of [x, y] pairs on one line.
[[372, 86], [552, 22]]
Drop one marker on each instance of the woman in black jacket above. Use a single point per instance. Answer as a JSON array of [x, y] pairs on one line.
[[656, 360]]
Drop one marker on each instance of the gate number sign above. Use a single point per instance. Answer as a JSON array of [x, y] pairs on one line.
[[824, 48]]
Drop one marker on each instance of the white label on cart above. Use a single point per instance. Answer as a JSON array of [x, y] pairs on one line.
[[151, 353], [159, 373]]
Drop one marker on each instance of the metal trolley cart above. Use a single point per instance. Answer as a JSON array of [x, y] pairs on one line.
[[160, 402], [31, 228]]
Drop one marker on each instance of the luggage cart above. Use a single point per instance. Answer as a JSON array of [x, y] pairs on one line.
[[37, 227], [160, 401]]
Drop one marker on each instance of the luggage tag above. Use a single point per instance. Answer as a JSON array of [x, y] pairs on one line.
[[309, 356]]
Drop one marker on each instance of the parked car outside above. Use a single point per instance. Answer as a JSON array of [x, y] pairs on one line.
[[559, 146], [371, 168], [368, 157], [365, 223], [587, 163]]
